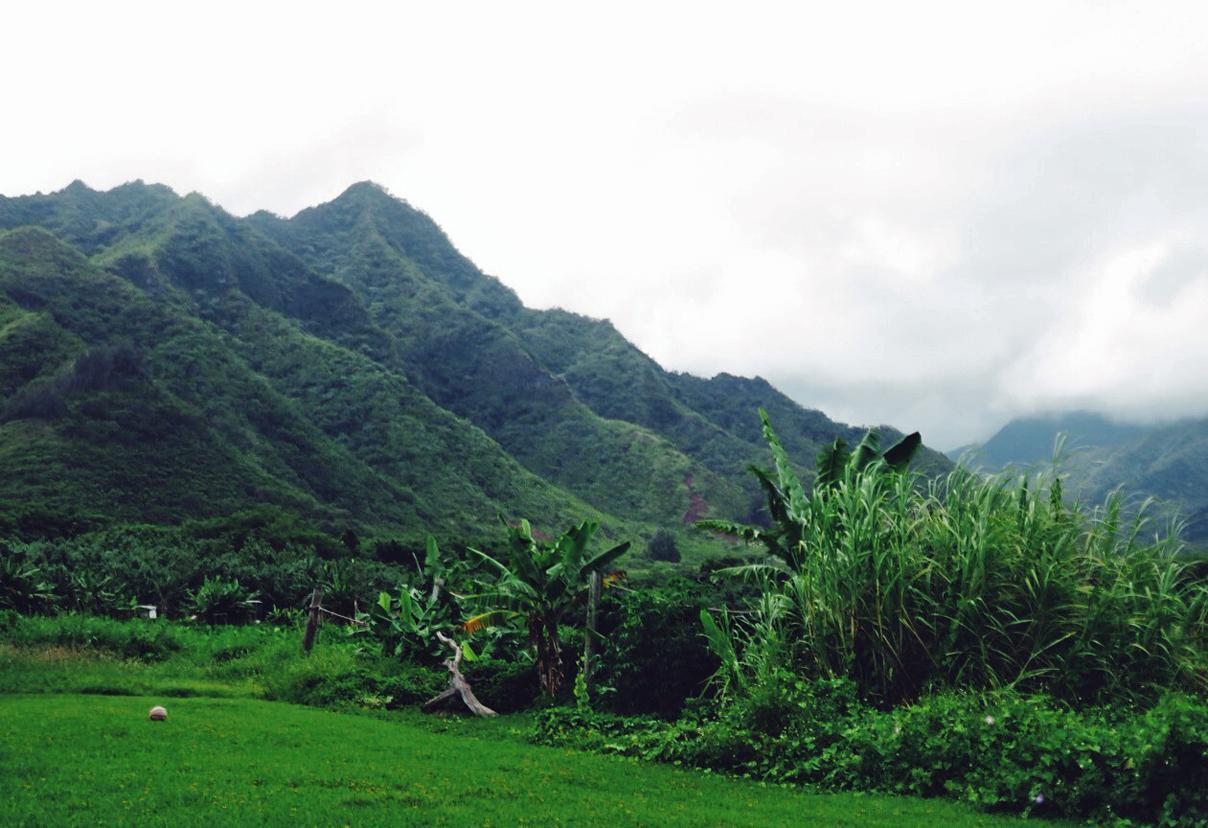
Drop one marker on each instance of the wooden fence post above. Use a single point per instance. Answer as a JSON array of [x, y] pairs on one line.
[[312, 622]]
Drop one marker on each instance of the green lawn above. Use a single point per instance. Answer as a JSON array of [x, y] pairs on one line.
[[92, 760]]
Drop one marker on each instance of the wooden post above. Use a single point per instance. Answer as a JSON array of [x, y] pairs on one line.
[[312, 622], [589, 642]]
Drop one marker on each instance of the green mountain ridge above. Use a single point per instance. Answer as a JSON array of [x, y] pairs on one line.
[[161, 359], [1166, 461]]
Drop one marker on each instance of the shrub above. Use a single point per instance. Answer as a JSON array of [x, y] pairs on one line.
[[23, 586], [335, 676], [219, 601], [503, 686], [1002, 752], [653, 656], [662, 547]]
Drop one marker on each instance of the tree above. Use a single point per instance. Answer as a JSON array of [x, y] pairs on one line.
[[662, 547], [539, 582]]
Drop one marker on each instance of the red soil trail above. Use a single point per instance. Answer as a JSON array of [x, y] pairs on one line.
[[698, 507]]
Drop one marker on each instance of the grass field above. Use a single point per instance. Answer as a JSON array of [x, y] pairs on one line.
[[97, 760], [76, 748]]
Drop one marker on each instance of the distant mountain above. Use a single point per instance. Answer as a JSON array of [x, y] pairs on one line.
[[1031, 440], [1168, 462], [161, 360]]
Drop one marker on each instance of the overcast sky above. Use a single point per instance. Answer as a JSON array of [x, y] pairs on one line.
[[933, 215]]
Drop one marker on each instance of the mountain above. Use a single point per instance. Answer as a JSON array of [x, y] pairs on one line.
[[1032, 440], [1168, 462], [162, 360]]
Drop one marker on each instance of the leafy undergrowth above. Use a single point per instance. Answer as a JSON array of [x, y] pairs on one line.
[[70, 759], [99, 656], [1003, 752], [83, 654]]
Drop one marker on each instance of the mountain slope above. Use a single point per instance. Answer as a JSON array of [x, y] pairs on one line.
[[548, 383], [147, 414], [1168, 462], [1031, 440], [456, 330], [347, 365]]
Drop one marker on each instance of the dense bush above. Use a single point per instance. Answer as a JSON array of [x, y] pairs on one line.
[[959, 583], [338, 677], [219, 601], [1003, 751], [654, 657], [23, 585], [662, 547], [503, 686]]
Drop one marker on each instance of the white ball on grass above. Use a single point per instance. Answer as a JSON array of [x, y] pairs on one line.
[[158, 714]]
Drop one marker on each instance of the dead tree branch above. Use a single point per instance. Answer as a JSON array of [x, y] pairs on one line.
[[458, 686]]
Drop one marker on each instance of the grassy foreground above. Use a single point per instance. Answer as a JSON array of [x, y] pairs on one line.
[[76, 759]]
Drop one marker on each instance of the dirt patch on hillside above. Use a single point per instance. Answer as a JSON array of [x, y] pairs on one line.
[[698, 507]]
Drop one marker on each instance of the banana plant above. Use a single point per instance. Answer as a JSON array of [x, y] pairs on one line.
[[88, 592], [221, 601], [23, 586], [537, 583], [835, 460], [406, 624]]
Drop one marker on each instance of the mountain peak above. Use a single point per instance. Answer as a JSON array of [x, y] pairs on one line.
[[366, 191], [359, 199]]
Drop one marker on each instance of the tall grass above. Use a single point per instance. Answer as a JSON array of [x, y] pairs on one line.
[[968, 582]]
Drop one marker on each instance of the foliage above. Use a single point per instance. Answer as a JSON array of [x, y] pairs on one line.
[[219, 601], [142, 640], [662, 547], [22, 586], [107, 571], [962, 583], [788, 500], [653, 656], [406, 626], [538, 582], [162, 361], [93, 594], [1001, 752]]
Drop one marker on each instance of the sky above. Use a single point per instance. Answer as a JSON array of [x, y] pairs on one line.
[[934, 215]]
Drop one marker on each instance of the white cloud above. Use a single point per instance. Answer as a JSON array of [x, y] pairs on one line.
[[936, 215]]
